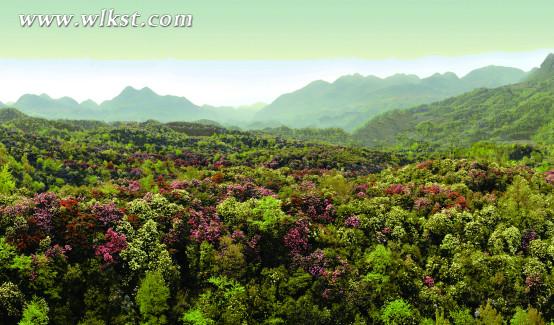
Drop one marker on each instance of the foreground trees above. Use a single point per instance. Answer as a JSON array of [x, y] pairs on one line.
[[157, 227]]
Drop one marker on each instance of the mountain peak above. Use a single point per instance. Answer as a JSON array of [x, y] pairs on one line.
[[129, 89], [131, 92], [548, 63], [546, 71]]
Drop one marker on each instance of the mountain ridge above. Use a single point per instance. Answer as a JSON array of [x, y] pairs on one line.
[[356, 97], [346, 102], [545, 71], [518, 112]]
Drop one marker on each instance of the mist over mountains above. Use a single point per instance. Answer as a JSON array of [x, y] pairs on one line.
[[345, 103]]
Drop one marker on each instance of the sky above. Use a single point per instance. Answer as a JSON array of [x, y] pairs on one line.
[[245, 51]]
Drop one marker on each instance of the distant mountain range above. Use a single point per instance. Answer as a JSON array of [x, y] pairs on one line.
[[130, 105], [346, 103], [521, 112], [351, 100]]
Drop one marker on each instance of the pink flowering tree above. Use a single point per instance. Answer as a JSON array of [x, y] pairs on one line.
[[107, 213], [205, 225], [114, 244]]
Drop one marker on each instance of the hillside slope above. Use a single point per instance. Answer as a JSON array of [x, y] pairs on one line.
[[351, 100], [520, 112]]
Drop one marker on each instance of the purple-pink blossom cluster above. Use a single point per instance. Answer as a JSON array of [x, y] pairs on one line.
[[316, 208], [246, 191], [107, 213], [114, 244], [130, 187], [46, 205], [352, 222], [422, 203], [179, 185], [135, 172], [527, 238], [428, 281], [237, 235], [205, 225], [396, 189], [19, 209], [316, 263], [361, 190], [296, 239], [57, 250], [320, 265]]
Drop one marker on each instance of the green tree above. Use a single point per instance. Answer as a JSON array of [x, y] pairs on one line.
[[462, 317], [146, 252], [195, 317], [35, 313], [397, 312], [151, 299], [7, 182], [530, 316], [11, 300], [488, 315]]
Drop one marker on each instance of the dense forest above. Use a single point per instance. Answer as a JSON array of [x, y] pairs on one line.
[[184, 223]]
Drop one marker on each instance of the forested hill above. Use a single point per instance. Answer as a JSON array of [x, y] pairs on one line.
[[520, 112], [351, 100], [188, 223]]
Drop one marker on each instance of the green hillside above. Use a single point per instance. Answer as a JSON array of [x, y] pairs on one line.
[[546, 70], [520, 112], [10, 114], [351, 100], [184, 223]]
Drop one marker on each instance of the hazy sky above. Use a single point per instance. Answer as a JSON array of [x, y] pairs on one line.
[[244, 51], [286, 29]]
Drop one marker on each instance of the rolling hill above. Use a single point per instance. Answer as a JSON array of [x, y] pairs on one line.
[[10, 114], [351, 100], [521, 112]]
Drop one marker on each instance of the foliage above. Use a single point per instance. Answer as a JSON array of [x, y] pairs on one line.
[[516, 113], [527, 317], [397, 312], [145, 223], [7, 182], [35, 313], [152, 297]]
